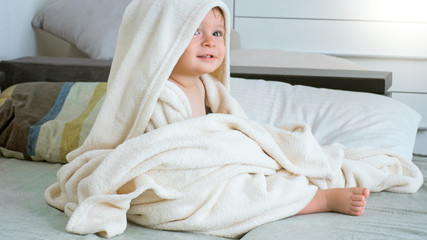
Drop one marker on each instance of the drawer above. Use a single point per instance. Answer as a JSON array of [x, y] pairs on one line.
[[364, 10], [354, 38], [417, 101]]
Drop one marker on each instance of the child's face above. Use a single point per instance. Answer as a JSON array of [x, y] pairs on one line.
[[206, 51]]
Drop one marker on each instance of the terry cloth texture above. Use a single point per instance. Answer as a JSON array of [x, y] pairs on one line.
[[148, 161]]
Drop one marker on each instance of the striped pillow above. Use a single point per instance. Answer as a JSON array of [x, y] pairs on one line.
[[45, 121]]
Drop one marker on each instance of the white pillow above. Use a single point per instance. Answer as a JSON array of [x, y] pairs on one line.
[[350, 118], [91, 25]]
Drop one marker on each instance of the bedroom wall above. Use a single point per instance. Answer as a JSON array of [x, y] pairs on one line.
[[18, 38], [385, 35]]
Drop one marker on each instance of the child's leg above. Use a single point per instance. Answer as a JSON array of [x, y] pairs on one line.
[[349, 201]]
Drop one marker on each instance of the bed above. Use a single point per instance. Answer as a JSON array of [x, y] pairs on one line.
[[25, 214], [342, 102]]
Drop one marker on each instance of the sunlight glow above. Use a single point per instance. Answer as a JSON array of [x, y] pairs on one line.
[[402, 11]]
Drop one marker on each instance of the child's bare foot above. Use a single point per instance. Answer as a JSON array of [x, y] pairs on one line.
[[349, 201]]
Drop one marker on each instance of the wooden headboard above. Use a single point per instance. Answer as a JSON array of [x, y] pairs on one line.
[[352, 80], [58, 69]]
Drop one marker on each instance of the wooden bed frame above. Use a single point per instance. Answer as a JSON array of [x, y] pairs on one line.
[[352, 80], [54, 69]]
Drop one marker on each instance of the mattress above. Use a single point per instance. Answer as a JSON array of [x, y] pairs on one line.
[[358, 118], [24, 214]]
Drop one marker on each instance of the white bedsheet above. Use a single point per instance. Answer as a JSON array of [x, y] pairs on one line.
[[24, 213]]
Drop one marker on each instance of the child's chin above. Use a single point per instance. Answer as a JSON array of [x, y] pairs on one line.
[[206, 71], [212, 69]]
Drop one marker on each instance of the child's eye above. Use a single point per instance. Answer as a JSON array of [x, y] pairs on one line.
[[197, 32], [217, 34]]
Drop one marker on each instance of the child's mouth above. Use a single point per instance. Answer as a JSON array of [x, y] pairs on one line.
[[207, 56]]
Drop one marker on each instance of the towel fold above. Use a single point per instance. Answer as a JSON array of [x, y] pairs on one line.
[[218, 174]]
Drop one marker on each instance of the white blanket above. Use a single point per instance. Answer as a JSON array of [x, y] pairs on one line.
[[146, 160]]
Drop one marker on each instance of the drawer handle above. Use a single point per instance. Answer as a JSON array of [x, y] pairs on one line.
[[422, 128]]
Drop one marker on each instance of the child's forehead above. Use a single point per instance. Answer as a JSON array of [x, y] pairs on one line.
[[215, 15]]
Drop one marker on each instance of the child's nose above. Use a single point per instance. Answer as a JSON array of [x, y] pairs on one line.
[[208, 42]]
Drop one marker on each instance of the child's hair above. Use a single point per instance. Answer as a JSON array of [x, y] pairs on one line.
[[219, 10], [215, 11]]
